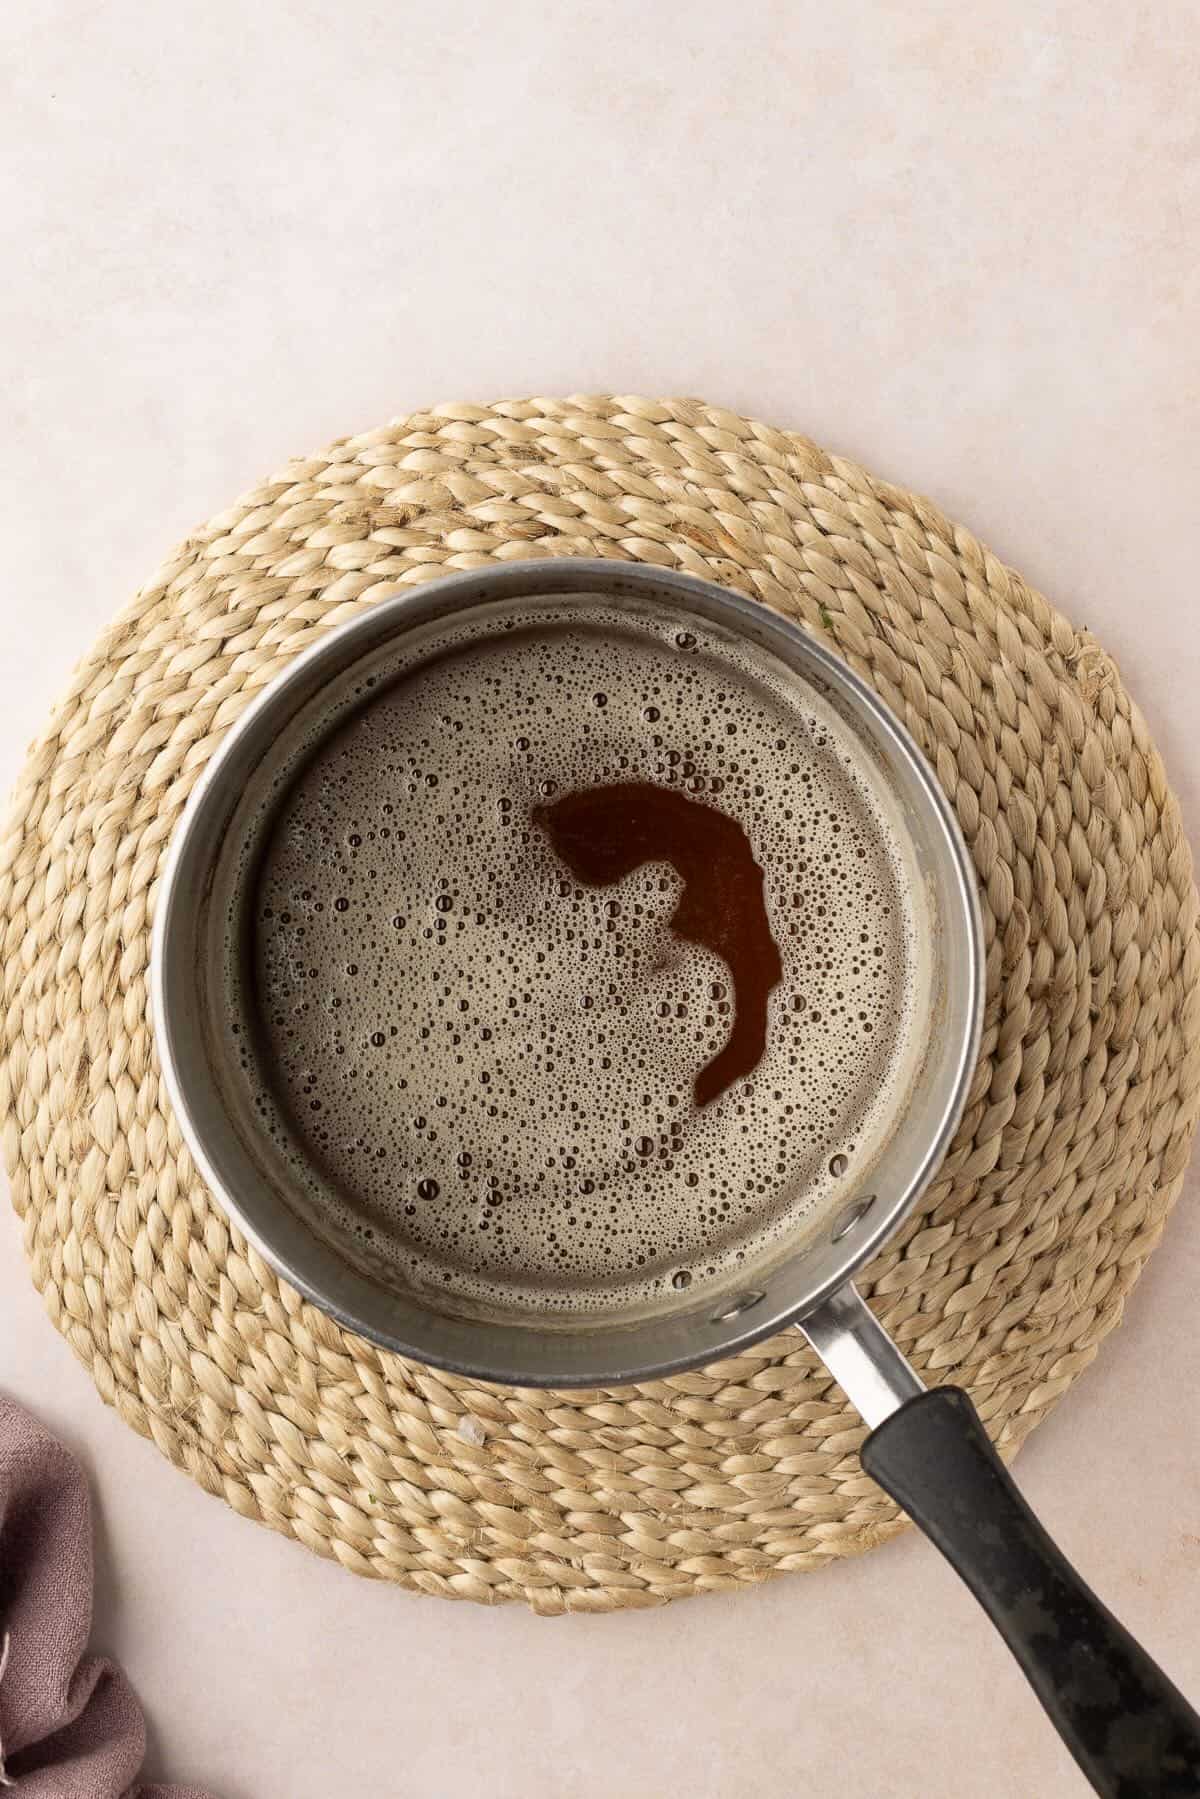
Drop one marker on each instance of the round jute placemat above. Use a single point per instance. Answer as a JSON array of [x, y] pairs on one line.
[[1052, 1196]]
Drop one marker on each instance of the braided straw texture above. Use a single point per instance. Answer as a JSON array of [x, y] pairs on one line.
[[1052, 1196]]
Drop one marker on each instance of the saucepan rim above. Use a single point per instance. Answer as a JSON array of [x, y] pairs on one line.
[[520, 1354]]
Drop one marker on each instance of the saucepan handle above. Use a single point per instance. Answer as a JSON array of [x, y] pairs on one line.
[[1130, 1729]]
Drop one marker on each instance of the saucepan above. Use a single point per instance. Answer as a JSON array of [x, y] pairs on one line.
[[1128, 1727]]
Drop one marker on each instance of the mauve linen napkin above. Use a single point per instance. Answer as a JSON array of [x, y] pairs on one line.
[[70, 1726]]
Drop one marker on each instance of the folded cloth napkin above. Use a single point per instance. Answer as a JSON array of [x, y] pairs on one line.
[[70, 1725]]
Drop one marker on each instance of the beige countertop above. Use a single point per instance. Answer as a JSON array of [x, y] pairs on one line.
[[958, 244]]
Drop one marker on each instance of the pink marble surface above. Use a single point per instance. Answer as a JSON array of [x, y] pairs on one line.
[[958, 244]]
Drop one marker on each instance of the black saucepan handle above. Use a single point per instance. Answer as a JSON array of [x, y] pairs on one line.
[[1134, 1734]]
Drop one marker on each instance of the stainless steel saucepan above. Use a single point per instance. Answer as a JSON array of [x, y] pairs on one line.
[[1128, 1727]]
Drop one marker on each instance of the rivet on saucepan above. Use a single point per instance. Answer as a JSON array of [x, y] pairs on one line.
[[742, 1304], [845, 1222]]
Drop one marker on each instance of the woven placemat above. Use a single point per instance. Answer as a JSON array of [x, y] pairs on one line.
[[1054, 1192]]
